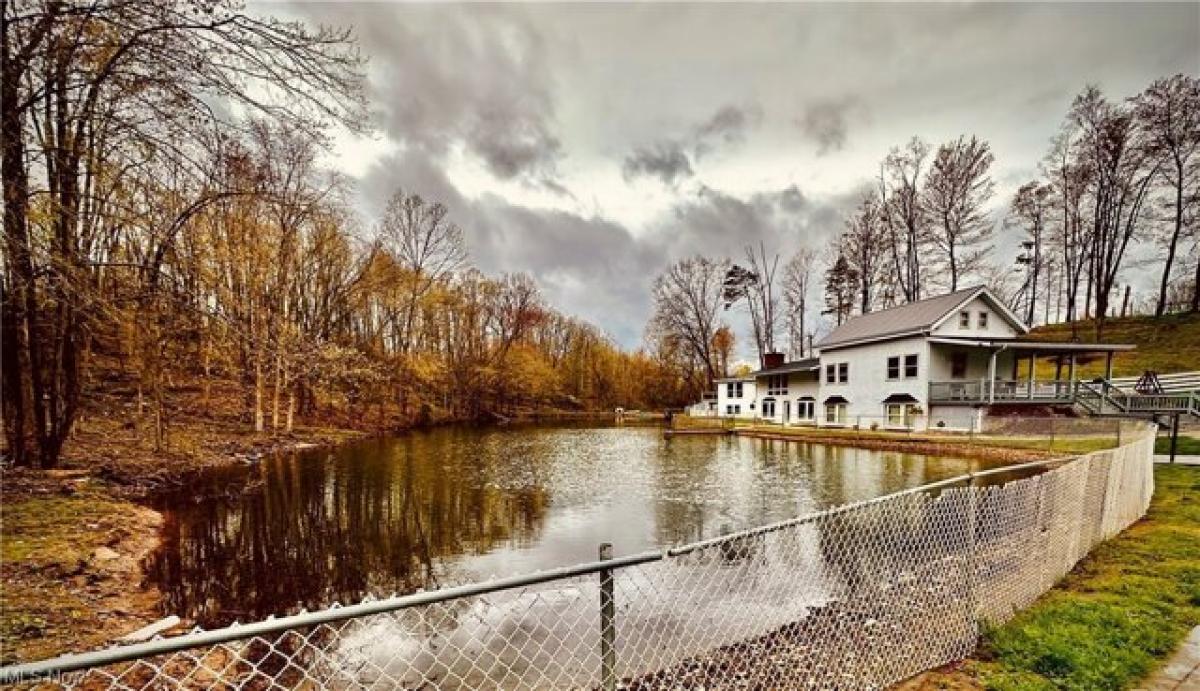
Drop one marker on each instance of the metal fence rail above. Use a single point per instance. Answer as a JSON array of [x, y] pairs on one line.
[[858, 596]]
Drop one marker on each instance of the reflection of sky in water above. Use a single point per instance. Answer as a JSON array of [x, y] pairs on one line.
[[454, 505]]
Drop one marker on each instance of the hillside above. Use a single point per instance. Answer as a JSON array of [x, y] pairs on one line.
[[1164, 344]]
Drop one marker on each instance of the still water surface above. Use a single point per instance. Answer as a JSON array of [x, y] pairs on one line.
[[457, 504]]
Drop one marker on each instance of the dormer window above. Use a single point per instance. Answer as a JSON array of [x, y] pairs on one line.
[[983, 317], [964, 320]]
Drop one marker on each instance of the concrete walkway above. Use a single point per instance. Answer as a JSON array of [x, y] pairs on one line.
[[1182, 672], [1180, 459]]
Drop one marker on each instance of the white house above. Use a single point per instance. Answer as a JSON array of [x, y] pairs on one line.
[[787, 391], [939, 363], [736, 397]]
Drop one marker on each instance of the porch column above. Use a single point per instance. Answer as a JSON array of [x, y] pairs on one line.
[[1032, 360], [1108, 367], [991, 393], [1071, 375]]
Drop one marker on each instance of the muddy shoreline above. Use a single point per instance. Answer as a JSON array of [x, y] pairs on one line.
[[75, 539]]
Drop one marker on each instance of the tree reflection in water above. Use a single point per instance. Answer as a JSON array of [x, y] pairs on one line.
[[453, 505]]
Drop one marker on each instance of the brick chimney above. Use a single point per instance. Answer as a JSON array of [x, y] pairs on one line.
[[772, 360]]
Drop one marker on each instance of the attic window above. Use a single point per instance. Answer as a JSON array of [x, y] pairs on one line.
[[964, 320], [983, 317]]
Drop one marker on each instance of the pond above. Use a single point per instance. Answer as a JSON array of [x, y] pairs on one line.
[[452, 505]]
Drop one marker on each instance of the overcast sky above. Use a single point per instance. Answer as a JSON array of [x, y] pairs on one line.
[[591, 145]]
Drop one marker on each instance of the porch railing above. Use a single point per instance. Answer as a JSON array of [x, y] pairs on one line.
[[1002, 390]]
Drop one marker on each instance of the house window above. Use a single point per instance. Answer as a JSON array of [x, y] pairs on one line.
[[733, 389], [804, 410], [899, 414], [910, 367], [768, 407], [958, 365], [830, 374], [983, 317], [964, 320], [835, 413], [843, 372], [777, 385]]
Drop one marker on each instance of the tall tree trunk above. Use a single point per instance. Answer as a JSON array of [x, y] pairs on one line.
[[19, 367], [258, 393], [1196, 290], [1166, 274]]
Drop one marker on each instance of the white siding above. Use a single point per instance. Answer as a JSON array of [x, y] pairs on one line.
[[745, 401], [977, 362], [868, 384], [997, 325], [800, 384]]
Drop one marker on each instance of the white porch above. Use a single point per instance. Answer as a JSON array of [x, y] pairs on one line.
[[974, 385]]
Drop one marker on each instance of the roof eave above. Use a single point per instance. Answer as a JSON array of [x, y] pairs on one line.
[[872, 339]]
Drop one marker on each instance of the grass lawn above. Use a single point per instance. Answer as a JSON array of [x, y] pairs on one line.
[[1166, 344], [1187, 446], [70, 568], [1119, 614]]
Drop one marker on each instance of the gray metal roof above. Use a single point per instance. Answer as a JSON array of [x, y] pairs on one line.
[[913, 317], [804, 365], [1051, 347]]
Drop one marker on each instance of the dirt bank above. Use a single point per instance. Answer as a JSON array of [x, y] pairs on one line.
[[73, 541], [71, 565]]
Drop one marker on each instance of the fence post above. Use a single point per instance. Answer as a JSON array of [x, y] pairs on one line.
[[608, 631], [972, 559]]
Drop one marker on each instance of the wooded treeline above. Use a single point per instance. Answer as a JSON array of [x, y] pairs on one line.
[[1118, 193], [164, 210]]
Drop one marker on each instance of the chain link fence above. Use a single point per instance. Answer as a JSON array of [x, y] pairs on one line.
[[855, 597]]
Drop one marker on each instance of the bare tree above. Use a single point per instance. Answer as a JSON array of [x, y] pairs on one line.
[[1121, 175], [797, 281], [864, 247], [904, 214], [426, 245], [1168, 117], [1031, 209], [1070, 181], [93, 87], [687, 301], [755, 284], [956, 193]]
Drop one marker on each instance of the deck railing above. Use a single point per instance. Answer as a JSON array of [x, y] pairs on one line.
[[1002, 390]]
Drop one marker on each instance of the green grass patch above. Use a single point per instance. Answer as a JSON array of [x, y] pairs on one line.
[[1119, 614], [1188, 446], [41, 531], [1164, 344]]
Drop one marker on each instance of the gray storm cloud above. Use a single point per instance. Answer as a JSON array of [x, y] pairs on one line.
[[760, 122], [671, 160], [446, 77], [667, 161], [827, 123]]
